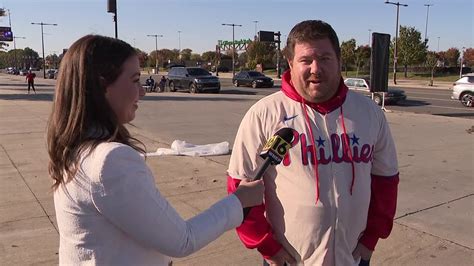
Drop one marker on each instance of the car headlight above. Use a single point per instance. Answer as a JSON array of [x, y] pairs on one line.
[[259, 80]]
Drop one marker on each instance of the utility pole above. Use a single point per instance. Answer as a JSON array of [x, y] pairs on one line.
[[42, 42], [395, 53], [14, 49], [370, 30], [112, 8], [461, 62], [256, 22], [156, 50], [233, 45], [179, 46], [179, 41], [438, 44], [278, 34], [426, 27], [9, 19]]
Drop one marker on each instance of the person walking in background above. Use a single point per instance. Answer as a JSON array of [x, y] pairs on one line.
[[30, 78]]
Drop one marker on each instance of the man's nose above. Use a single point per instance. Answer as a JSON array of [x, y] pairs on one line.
[[315, 68]]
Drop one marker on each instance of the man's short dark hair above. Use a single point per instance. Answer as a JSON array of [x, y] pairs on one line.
[[311, 30]]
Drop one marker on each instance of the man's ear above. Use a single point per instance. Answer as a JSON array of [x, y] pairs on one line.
[[290, 63]]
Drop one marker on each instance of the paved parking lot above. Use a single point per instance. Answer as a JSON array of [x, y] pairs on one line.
[[435, 215]]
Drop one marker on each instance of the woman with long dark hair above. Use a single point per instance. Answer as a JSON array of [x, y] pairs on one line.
[[107, 206]]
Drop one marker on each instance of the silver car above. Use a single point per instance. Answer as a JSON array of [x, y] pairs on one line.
[[463, 90], [393, 96]]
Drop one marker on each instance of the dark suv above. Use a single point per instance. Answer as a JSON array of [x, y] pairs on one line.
[[193, 79]]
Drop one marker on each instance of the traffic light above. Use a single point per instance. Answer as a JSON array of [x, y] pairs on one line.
[[112, 6]]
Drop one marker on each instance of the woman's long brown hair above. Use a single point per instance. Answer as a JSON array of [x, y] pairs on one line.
[[81, 117]]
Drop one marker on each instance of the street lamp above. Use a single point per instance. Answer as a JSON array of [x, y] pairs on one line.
[[426, 27], [179, 46], [256, 22], [179, 41], [395, 54], [460, 66], [233, 45], [42, 42], [438, 44], [9, 18], [14, 48], [112, 8], [156, 50], [369, 37]]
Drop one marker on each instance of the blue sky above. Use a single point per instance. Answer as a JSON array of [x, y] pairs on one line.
[[200, 20]]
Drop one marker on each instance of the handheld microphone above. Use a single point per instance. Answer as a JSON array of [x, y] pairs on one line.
[[273, 152]]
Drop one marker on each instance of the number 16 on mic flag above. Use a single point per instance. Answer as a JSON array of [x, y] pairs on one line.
[[273, 153]]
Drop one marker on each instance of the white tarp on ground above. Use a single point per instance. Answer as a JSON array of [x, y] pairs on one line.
[[181, 147]]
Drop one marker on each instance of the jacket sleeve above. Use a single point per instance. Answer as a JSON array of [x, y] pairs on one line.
[[383, 204], [124, 193], [384, 188], [255, 231]]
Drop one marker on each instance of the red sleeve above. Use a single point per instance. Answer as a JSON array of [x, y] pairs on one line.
[[383, 204], [255, 231]]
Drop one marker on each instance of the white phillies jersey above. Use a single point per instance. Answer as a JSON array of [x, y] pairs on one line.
[[327, 231]]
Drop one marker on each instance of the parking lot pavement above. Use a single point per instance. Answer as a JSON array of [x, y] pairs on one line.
[[436, 194]]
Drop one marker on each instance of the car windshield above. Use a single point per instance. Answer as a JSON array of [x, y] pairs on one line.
[[198, 72], [256, 74]]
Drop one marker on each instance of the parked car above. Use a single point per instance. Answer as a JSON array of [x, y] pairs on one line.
[[193, 79], [13, 71], [23, 72], [51, 73], [252, 78], [463, 90], [393, 96]]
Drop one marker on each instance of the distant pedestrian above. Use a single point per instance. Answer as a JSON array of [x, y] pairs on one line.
[[30, 78]]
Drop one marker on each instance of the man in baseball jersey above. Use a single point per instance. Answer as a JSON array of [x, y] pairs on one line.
[[334, 195]]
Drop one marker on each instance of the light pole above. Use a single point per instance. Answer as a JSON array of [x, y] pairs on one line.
[[156, 50], [42, 42], [14, 49], [233, 45], [426, 27], [179, 41], [179, 46], [112, 8], [369, 37], [438, 44], [9, 19], [256, 22], [395, 54], [460, 66]]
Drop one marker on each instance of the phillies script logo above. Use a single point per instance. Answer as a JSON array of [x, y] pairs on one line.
[[333, 150]]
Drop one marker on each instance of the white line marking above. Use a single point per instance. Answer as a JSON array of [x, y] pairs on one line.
[[446, 107], [446, 100], [439, 94]]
